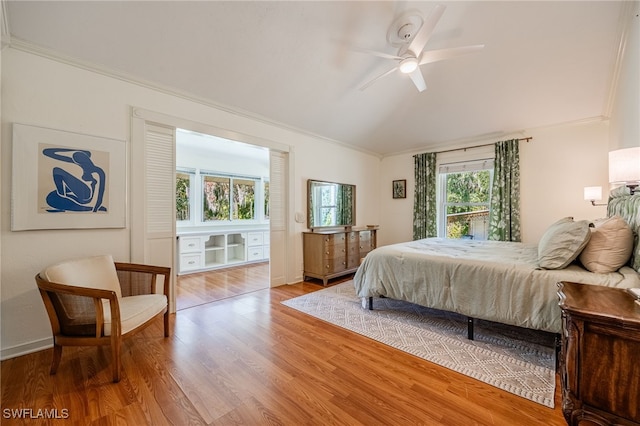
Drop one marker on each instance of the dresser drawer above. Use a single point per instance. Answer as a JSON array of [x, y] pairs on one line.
[[255, 253], [366, 246], [335, 265], [254, 239], [190, 261], [331, 251], [190, 244], [334, 239], [365, 236]]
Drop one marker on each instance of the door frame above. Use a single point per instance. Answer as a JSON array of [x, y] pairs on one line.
[[139, 119]]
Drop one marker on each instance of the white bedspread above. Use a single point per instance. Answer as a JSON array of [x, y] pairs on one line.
[[491, 280]]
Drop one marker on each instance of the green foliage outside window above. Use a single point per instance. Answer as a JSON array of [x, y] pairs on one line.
[[466, 192], [182, 196], [266, 199], [216, 202], [228, 198], [244, 196]]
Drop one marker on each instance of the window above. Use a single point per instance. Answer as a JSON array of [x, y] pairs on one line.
[[465, 194], [216, 203], [184, 182], [244, 196], [228, 198], [325, 209], [223, 198]]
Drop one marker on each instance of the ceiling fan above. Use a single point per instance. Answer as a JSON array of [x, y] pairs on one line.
[[410, 32]]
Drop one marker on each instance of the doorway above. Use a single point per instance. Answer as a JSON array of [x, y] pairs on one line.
[[153, 189], [222, 218]]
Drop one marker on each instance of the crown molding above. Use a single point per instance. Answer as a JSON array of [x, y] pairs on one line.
[[31, 48]]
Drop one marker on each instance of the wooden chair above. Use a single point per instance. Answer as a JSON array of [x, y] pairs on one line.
[[96, 301]]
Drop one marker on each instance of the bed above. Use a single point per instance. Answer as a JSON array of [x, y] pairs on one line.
[[506, 282]]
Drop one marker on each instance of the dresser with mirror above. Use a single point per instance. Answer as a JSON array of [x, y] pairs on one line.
[[333, 247]]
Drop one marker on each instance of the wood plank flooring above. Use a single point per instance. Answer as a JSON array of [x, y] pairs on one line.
[[206, 287], [251, 360]]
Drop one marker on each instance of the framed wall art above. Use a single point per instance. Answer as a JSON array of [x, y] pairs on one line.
[[65, 180], [400, 188]]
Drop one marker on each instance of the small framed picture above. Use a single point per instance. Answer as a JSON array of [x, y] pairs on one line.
[[400, 188]]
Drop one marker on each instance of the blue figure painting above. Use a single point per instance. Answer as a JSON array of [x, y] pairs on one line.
[[73, 193]]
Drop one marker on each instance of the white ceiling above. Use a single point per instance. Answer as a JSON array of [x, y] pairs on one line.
[[544, 62]]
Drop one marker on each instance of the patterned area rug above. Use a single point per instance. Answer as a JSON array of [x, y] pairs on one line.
[[517, 360]]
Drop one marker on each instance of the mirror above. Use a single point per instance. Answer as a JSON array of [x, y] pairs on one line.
[[331, 204]]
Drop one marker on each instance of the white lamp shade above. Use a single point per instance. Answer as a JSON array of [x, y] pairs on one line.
[[593, 193], [624, 165]]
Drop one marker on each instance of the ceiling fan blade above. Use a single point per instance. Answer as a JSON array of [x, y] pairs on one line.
[[370, 82], [375, 53], [418, 80], [422, 37], [442, 54]]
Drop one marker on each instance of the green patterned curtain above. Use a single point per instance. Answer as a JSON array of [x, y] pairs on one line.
[[424, 200], [504, 219], [345, 203]]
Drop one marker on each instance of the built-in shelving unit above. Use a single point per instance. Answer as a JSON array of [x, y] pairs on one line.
[[200, 251]]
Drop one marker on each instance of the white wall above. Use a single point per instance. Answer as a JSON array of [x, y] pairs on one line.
[[44, 92], [625, 122]]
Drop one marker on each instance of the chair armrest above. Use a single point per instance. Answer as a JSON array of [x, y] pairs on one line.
[[148, 270]]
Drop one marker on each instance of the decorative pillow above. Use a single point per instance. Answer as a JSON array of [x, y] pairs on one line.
[[562, 242], [609, 247]]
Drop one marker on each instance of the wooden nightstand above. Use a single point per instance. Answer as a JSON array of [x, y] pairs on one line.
[[600, 355]]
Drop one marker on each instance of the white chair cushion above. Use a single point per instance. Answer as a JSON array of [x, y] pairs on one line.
[[98, 272], [134, 311]]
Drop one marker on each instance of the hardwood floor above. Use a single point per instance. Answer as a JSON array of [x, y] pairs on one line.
[[205, 287], [251, 360]]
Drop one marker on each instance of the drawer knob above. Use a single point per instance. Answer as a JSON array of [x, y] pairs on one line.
[[191, 262]]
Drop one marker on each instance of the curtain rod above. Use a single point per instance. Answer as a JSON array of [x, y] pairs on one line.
[[479, 146]]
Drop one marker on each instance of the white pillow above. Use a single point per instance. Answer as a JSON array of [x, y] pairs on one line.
[[562, 243], [609, 247]]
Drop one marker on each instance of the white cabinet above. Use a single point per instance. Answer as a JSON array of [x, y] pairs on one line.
[[211, 250], [190, 253], [254, 253], [214, 251], [258, 245], [254, 239], [236, 248]]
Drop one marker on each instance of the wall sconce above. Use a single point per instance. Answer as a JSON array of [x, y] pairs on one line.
[[624, 167], [593, 194]]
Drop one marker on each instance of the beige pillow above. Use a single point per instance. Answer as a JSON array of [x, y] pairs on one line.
[[609, 247], [562, 242]]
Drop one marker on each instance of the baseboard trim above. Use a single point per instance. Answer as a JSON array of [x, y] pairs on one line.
[[26, 348]]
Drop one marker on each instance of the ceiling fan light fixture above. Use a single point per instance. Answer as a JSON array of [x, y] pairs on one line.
[[408, 65]]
